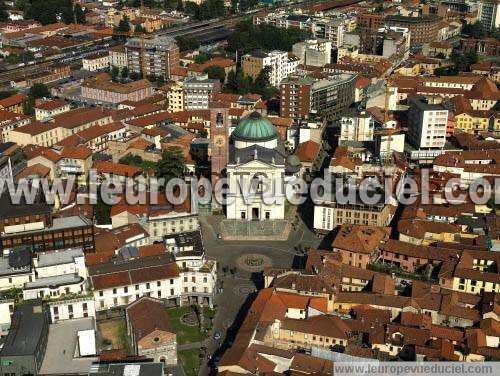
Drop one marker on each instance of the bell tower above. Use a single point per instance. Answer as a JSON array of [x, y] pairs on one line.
[[219, 140]]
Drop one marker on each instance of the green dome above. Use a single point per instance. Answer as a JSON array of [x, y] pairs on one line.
[[254, 128]]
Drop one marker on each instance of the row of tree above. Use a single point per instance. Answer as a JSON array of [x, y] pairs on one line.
[[206, 10], [247, 37], [238, 83], [47, 11]]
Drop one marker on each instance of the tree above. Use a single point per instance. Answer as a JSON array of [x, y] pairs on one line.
[[102, 212], [216, 72], [151, 77], [67, 13], [7, 93], [187, 43], [475, 30], [79, 14], [39, 90], [115, 71], [3, 12], [172, 164], [134, 76], [29, 106], [201, 58], [231, 83], [124, 25], [138, 28], [180, 6], [124, 72]]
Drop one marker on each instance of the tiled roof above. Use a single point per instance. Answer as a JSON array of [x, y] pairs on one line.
[[148, 315], [51, 105], [116, 169], [76, 152], [358, 238], [13, 100], [307, 151], [80, 116]]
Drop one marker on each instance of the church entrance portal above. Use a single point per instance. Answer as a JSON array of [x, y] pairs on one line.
[[255, 213]]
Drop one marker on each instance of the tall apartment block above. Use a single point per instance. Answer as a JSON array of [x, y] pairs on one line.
[[161, 55]]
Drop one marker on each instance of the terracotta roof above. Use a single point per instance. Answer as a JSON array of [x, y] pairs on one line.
[[216, 61], [37, 170], [148, 315], [307, 151], [116, 169], [330, 326], [33, 151], [76, 152], [154, 132], [13, 100], [149, 120], [80, 116], [50, 105], [135, 276], [9, 116], [117, 87], [360, 238], [35, 128], [151, 250]]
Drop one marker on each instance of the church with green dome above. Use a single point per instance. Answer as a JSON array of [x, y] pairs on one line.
[[258, 156]]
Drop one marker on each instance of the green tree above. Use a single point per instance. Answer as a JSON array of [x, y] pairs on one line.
[[102, 212], [160, 80], [172, 164], [475, 30], [151, 77], [187, 43], [67, 13], [124, 25], [134, 76], [201, 58], [180, 6], [7, 93], [115, 71], [39, 91], [138, 28], [29, 106], [216, 72], [79, 14], [3, 12], [231, 83], [124, 72]]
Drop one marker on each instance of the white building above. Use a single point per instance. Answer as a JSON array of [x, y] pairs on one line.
[[281, 65], [15, 268], [198, 273], [426, 124], [315, 52], [256, 159], [198, 92], [45, 110], [118, 57], [96, 62], [120, 284], [57, 273], [357, 127], [71, 309]]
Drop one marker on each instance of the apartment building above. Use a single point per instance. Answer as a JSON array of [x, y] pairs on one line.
[[118, 57], [423, 29], [46, 110], [197, 272], [426, 124], [75, 162], [119, 284], [96, 62], [14, 103], [9, 121], [175, 97], [57, 274], [198, 92], [313, 52], [34, 225], [111, 93], [281, 65], [329, 28], [489, 13], [329, 97], [161, 55]]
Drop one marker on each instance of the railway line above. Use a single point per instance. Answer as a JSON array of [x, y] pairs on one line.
[[208, 26]]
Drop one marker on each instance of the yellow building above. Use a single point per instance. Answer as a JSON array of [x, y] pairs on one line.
[[175, 97], [14, 103], [477, 272], [469, 120]]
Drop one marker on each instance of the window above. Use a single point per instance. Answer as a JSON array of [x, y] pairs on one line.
[[114, 291], [125, 289], [101, 293]]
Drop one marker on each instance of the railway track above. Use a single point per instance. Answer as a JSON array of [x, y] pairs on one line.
[[187, 29]]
